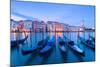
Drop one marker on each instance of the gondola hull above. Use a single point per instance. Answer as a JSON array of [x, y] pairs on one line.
[[41, 45], [92, 38], [48, 47], [76, 49], [88, 44], [30, 51], [62, 49], [17, 42], [61, 45], [46, 50]]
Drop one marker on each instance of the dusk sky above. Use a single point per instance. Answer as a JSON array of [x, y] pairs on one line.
[[64, 13]]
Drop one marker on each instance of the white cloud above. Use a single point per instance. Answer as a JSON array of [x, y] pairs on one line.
[[17, 18]]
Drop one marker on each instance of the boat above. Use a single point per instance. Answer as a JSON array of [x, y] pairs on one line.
[[31, 50], [62, 45], [42, 43], [74, 47], [88, 43], [15, 43], [48, 47], [92, 38]]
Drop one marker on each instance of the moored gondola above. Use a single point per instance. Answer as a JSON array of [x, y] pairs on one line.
[[92, 38], [62, 45], [30, 50], [43, 43], [88, 43], [74, 47], [17, 42], [48, 47]]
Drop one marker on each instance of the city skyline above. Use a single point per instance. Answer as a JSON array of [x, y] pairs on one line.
[[64, 13]]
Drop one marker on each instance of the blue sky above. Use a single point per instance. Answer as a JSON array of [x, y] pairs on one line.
[[64, 13]]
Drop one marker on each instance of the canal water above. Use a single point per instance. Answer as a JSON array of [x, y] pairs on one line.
[[18, 59]]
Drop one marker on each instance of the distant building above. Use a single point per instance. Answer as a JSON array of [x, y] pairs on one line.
[[13, 24], [55, 26], [39, 26], [76, 28]]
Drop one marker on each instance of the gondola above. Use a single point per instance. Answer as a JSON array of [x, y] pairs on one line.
[[92, 38], [42, 43], [62, 44], [16, 42], [31, 50], [74, 47], [88, 43], [49, 46]]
